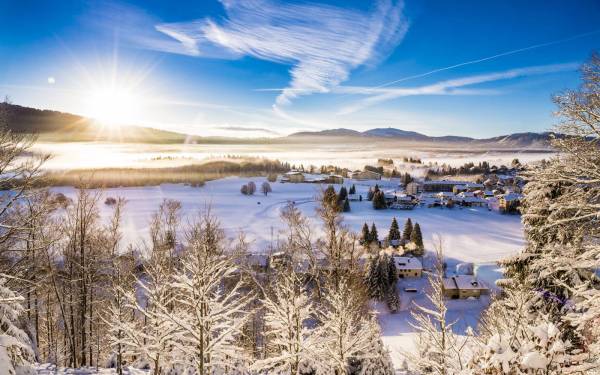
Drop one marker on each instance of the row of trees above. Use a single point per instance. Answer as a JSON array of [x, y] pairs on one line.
[[411, 236], [250, 188]]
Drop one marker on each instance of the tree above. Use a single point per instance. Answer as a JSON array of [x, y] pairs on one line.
[[365, 237], [408, 228], [374, 235], [417, 238], [346, 207], [343, 194], [244, 189], [352, 189], [347, 336], [379, 200], [370, 194], [394, 233], [266, 188], [208, 314], [290, 340]]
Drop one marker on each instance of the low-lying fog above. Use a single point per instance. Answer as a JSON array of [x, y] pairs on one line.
[[75, 155]]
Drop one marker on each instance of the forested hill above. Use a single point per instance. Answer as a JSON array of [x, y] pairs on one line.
[[60, 126]]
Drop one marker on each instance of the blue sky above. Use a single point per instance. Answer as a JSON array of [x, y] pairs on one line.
[[268, 68]]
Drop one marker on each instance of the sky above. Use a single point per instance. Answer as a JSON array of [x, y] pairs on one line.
[[265, 68]]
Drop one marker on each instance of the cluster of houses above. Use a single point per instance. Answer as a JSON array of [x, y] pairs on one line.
[[462, 285], [302, 177]]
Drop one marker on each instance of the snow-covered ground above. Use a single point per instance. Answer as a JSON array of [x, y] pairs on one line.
[[474, 235], [469, 234]]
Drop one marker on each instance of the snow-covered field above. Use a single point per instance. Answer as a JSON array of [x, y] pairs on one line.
[[469, 234]]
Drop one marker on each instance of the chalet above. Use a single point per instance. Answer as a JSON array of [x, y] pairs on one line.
[[468, 187], [463, 287], [467, 198], [408, 267], [366, 175], [293, 176]]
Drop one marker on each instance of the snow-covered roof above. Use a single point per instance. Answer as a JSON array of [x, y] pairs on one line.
[[464, 282], [408, 263], [444, 182], [511, 197]]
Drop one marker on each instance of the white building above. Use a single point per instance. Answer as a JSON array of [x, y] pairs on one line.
[[463, 287]]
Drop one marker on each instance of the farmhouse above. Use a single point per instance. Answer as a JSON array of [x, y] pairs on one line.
[[403, 202], [334, 179], [413, 188], [463, 287], [509, 202], [365, 175], [408, 267]]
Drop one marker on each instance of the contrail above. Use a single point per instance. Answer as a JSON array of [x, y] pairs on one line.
[[491, 57]]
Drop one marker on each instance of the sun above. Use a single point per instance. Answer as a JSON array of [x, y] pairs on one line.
[[113, 106]]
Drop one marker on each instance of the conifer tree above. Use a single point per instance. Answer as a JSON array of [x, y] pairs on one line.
[[346, 207], [417, 238], [330, 198], [394, 233], [379, 200], [365, 237], [374, 235], [370, 194], [408, 228], [343, 194], [352, 189]]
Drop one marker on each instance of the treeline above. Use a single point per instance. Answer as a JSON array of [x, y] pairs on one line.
[[194, 174], [410, 240], [469, 168]]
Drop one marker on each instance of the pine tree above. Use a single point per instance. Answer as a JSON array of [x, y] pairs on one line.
[[343, 194], [373, 277], [417, 238], [394, 233], [365, 238], [346, 205], [379, 200], [330, 198], [15, 345], [370, 194], [352, 189], [408, 228], [374, 235]]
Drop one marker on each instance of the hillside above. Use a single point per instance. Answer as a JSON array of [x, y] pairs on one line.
[[62, 127]]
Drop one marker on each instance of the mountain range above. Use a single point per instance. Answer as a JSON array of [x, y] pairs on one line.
[[56, 126]]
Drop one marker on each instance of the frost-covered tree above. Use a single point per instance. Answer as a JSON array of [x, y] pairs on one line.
[[291, 341], [266, 188], [211, 305], [439, 350], [560, 215], [374, 236], [251, 188], [347, 336], [365, 236], [408, 228], [394, 233], [416, 237]]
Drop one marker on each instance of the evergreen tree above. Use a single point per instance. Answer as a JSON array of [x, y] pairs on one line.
[[352, 189], [394, 233], [374, 235], [330, 198], [379, 201], [417, 238], [370, 194], [346, 205], [365, 237], [408, 228], [392, 271], [343, 194], [372, 278]]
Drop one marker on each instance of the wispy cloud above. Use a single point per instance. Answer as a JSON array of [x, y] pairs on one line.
[[456, 86], [322, 43]]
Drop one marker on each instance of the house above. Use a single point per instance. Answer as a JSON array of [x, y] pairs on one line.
[[468, 187], [408, 267], [463, 287], [404, 202], [334, 179], [365, 175], [467, 198], [413, 188], [293, 176], [509, 202], [435, 186]]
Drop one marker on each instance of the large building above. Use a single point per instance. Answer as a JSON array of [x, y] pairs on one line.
[[436, 186]]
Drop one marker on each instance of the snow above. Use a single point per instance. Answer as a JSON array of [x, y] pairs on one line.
[[469, 235]]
